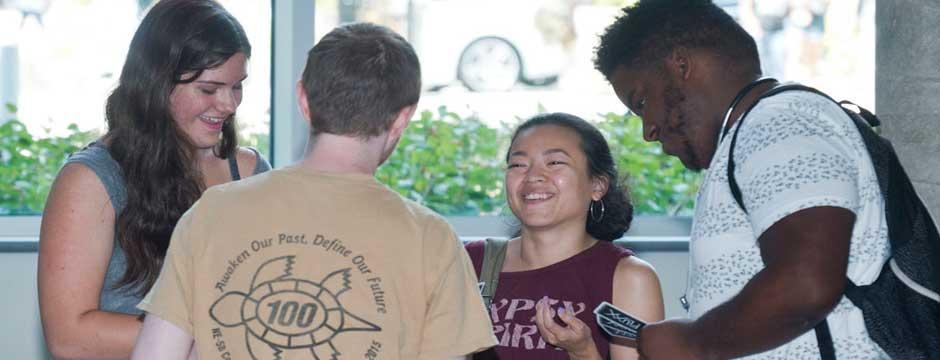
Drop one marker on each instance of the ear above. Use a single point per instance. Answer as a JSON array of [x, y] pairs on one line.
[[599, 186], [302, 101], [679, 63], [402, 118]]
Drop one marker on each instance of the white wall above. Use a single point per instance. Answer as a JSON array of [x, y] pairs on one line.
[[20, 329]]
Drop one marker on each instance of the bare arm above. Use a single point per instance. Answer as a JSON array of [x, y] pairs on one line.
[[75, 245], [160, 339], [806, 256], [636, 291]]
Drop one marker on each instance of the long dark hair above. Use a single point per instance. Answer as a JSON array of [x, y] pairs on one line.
[[176, 41], [618, 210]]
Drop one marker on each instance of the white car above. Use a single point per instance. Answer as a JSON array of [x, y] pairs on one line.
[[487, 45]]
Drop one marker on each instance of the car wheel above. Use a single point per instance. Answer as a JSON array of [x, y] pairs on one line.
[[544, 81], [489, 64]]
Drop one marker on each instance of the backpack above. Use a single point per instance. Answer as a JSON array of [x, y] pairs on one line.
[[901, 307]]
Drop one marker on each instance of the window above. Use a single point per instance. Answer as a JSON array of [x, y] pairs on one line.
[[826, 44], [488, 64]]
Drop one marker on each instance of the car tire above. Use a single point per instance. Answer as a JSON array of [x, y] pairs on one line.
[[544, 81], [489, 64]]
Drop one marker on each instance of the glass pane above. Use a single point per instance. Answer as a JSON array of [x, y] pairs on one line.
[[488, 64], [59, 60], [254, 115], [827, 44]]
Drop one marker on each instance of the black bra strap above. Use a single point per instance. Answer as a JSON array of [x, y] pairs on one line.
[[233, 167]]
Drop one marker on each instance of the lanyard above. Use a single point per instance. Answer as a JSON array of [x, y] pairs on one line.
[[737, 98]]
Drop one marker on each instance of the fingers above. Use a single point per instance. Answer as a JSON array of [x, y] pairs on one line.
[[563, 336], [546, 325], [573, 322]]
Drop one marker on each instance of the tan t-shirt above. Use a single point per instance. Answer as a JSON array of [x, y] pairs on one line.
[[296, 264]]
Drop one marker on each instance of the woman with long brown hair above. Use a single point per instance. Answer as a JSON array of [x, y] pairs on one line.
[[171, 135]]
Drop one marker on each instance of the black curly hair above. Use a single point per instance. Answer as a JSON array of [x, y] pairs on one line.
[[650, 30], [618, 210]]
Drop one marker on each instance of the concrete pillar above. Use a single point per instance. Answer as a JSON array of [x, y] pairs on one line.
[[907, 78]]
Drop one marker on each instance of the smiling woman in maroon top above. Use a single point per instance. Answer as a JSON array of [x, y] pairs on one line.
[[563, 186]]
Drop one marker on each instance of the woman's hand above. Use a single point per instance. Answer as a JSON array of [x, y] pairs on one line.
[[575, 338]]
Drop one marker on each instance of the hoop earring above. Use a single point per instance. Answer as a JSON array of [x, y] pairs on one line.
[[597, 218]]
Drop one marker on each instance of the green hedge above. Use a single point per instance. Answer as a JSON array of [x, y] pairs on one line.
[[455, 166], [450, 163], [659, 183], [28, 165]]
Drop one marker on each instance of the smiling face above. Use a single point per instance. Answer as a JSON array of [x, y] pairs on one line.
[[547, 180], [200, 107], [669, 113]]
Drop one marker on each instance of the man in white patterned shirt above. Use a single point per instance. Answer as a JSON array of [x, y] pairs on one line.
[[760, 280]]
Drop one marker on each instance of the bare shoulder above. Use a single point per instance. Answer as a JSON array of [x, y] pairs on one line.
[[632, 269], [245, 156], [78, 180], [636, 289], [77, 198], [246, 160]]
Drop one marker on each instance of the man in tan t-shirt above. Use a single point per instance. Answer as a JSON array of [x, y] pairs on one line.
[[318, 260]]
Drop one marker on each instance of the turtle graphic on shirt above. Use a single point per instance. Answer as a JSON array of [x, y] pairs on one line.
[[283, 314]]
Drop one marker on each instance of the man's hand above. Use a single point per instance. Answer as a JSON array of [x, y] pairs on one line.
[[668, 339]]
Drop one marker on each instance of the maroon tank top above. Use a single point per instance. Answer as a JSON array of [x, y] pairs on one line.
[[578, 284]]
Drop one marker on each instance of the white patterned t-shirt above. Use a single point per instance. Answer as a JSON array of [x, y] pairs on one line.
[[795, 150]]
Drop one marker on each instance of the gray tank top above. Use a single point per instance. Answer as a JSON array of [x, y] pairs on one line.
[[97, 158]]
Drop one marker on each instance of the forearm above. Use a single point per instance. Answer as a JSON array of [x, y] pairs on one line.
[[772, 309], [592, 355], [162, 340], [586, 353], [95, 334]]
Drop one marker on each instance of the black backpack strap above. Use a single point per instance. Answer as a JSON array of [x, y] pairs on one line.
[[494, 252], [823, 336], [824, 339], [735, 189]]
